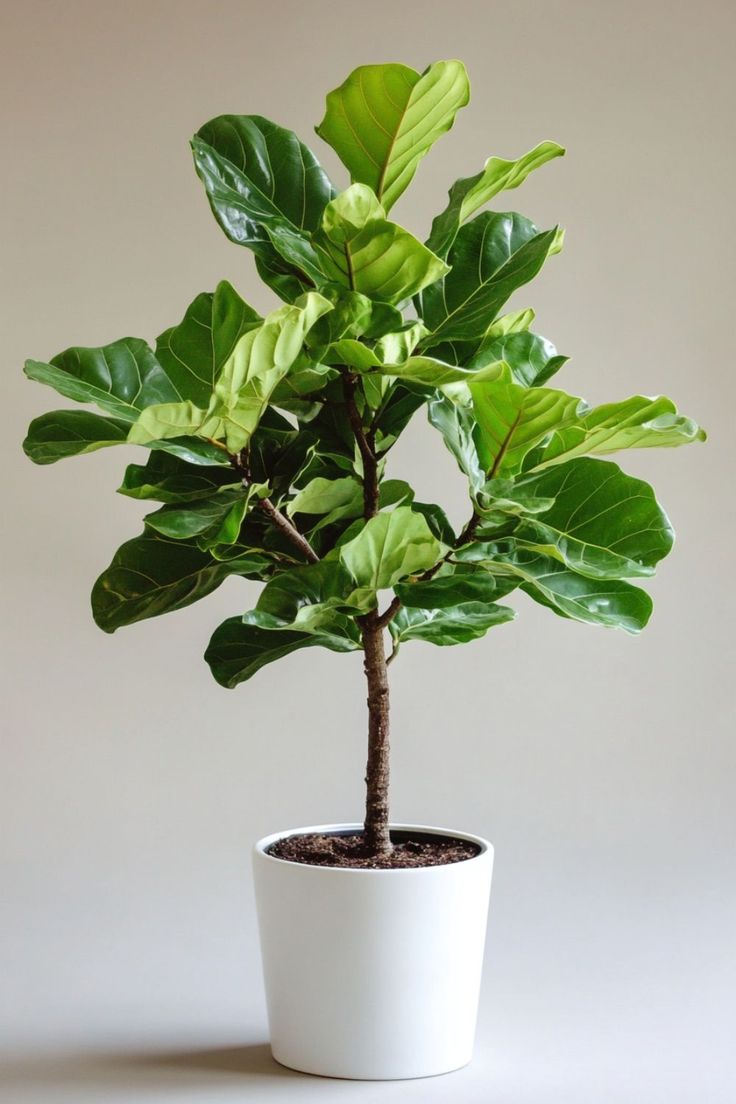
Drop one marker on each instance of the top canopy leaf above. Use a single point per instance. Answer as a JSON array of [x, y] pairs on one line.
[[384, 118]]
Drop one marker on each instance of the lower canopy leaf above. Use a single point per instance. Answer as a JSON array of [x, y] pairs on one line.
[[610, 602], [237, 650], [456, 624], [153, 574]]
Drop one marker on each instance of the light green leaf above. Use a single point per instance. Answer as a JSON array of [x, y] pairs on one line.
[[384, 118], [122, 378], [492, 256], [63, 433], [361, 249], [321, 496], [425, 370], [456, 425], [638, 422], [468, 194], [389, 547], [260, 360], [512, 419], [193, 353], [153, 574], [460, 352]]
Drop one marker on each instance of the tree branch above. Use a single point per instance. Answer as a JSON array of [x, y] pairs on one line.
[[241, 463], [288, 529]]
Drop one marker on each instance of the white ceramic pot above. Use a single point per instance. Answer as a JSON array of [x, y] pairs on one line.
[[372, 974]]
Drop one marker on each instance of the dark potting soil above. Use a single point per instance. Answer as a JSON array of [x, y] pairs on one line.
[[411, 849]]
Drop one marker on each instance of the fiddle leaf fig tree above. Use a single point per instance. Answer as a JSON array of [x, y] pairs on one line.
[[269, 437]]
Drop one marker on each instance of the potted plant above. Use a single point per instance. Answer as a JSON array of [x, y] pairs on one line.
[[269, 441]]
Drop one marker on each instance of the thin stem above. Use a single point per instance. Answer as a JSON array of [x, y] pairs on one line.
[[288, 529], [241, 463]]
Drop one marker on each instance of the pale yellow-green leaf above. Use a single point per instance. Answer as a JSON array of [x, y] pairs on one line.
[[384, 118], [362, 250]]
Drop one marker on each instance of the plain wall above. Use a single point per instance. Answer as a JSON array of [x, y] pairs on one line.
[[601, 765]]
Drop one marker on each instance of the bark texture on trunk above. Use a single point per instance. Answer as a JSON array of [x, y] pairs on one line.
[[377, 770]]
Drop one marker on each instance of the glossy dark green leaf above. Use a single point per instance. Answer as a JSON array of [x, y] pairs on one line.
[[532, 359], [265, 187], [193, 353], [603, 523], [453, 588], [608, 602], [63, 433], [384, 118], [213, 521], [237, 650], [122, 378], [450, 625], [492, 256], [470, 193], [166, 478], [153, 574]]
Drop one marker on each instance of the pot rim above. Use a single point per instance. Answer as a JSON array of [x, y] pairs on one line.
[[260, 850]]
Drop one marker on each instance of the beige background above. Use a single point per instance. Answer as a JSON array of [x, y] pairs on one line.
[[600, 765]]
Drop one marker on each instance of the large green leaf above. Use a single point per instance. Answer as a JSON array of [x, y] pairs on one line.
[[166, 478], [260, 360], [456, 424], [122, 378], [461, 352], [453, 587], [213, 521], [361, 249], [266, 188], [389, 547], [237, 650], [193, 353], [602, 523], [450, 625], [532, 359], [424, 370], [153, 574], [638, 422], [308, 598], [334, 499], [470, 193], [63, 433], [492, 256], [608, 602], [512, 419], [384, 118]]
